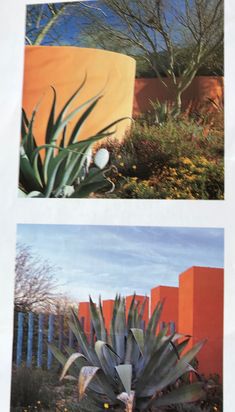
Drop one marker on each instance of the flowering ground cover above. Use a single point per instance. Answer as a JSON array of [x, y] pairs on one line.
[[181, 158]]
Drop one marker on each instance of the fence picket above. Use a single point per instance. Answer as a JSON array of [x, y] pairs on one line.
[[19, 347], [30, 340], [50, 339], [40, 340]]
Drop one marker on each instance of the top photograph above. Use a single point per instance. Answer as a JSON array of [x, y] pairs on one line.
[[123, 99]]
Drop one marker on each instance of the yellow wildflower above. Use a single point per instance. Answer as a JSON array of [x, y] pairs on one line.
[[186, 161], [106, 405]]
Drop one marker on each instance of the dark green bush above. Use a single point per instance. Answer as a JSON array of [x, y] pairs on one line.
[[31, 387]]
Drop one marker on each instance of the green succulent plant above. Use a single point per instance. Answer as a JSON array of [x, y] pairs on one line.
[[163, 111], [64, 170], [132, 368]]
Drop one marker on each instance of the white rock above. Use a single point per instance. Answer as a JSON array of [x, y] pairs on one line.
[[101, 158]]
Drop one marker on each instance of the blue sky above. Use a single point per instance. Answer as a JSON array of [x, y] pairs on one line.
[[67, 29], [109, 259]]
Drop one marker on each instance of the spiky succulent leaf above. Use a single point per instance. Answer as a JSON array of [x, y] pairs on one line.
[[64, 160], [139, 368], [185, 394], [125, 375]]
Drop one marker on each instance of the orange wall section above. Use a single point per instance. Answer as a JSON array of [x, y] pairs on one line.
[[198, 92], [107, 306], [170, 308], [140, 299], [84, 312], [64, 68], [201, 314]]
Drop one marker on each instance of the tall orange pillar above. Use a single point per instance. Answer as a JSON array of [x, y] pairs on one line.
[[139, 299], [85, 316], [170, 308], [201, 314], [107, 306]]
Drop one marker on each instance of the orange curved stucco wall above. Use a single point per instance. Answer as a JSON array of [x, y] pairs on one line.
[[198, 92], [64, 68]]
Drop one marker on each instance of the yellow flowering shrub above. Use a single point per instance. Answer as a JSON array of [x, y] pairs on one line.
[[191, 179], [182, 159]]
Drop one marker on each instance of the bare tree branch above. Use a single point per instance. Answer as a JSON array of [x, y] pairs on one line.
[[36, 286]]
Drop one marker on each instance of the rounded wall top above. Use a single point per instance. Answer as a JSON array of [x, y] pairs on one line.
[[81, 49]]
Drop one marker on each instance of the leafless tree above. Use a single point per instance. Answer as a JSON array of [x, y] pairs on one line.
[[36, 286], [50, 23], [176, 37]]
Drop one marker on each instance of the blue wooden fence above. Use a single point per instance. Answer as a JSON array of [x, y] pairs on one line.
[[35, 331]]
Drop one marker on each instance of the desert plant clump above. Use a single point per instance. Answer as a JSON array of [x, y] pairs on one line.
[[180, 159], [67, 168], [32, 389], [133, 367]]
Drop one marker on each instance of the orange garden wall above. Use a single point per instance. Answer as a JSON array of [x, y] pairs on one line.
[[139, 299], [200, 89], [65, 67], [170, 309], [196, 308], [84, 316], [111, 73], [107, 306], [201, 314]]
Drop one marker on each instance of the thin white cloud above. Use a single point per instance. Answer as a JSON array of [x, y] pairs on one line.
[[106, 260]]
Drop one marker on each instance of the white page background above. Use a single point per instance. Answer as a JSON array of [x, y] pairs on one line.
[[121, 212]]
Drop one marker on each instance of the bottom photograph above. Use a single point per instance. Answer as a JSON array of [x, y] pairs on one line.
[[119, 318]]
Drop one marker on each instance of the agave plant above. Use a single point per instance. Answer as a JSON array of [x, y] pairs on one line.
[[64, 170], [132, 368], [162, 112]]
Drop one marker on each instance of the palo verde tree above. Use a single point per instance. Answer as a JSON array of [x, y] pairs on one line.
[[175, 37]]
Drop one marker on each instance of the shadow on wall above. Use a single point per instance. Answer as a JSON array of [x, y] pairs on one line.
[[201, 88]]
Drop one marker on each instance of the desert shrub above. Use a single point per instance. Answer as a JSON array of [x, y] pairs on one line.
[[200, 179], [31, 388], [213, 401], [179, 160]]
